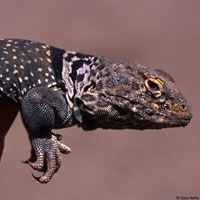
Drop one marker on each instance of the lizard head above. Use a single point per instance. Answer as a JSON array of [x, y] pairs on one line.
[[124, 94]]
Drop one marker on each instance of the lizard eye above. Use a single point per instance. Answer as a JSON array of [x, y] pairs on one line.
[[155, 86]]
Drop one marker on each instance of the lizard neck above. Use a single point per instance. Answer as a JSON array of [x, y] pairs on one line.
[[79, 73]]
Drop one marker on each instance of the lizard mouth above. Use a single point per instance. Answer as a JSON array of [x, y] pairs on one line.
[[159, 120], [174, 122], [184, 121], [169, 124]]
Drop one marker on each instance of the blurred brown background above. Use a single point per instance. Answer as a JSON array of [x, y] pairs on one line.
[[110, 164]]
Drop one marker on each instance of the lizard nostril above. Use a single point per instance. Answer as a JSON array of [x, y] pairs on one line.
[[182, 107]]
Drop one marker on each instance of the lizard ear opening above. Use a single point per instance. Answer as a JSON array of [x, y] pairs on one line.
[[155, 86]]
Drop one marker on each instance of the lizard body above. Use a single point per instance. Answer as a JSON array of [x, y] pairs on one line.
[[55, 88]]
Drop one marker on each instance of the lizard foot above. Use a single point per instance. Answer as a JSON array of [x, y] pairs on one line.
[[48, 151]]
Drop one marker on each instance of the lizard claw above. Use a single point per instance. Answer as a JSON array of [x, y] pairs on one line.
[[48, 157], [35, 177], [36, 165]]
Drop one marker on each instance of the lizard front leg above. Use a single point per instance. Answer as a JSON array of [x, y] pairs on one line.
[[42, 110]]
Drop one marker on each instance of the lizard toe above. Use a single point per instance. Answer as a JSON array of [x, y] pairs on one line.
[[38, 146], [63, 148]]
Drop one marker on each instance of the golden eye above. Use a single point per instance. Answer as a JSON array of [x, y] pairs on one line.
[[155, 86]]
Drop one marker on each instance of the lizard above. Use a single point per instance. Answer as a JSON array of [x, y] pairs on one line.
[[55, 88]]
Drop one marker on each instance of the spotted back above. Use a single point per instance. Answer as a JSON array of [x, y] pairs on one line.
[[26, 64]]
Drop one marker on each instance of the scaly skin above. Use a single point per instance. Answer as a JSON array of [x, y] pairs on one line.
[[55, 88]]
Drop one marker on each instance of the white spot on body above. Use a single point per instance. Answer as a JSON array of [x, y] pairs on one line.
[[53, 77], [14, 57], [8, 45], [39, 81], [1, 75], [37, 49], [7, 70], [21, 67], [20, 79], [2, 58], [5, 52], [49, 60], [49, 68], [1, 88], [52, 84], [48, 53], [46, 74], [46, 80], [26, 78], [40, 69], [29, 61], [35, 60], [15, 71], [14, 50], [6, 62], [10, 40], [32, 74], [8, 79]]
